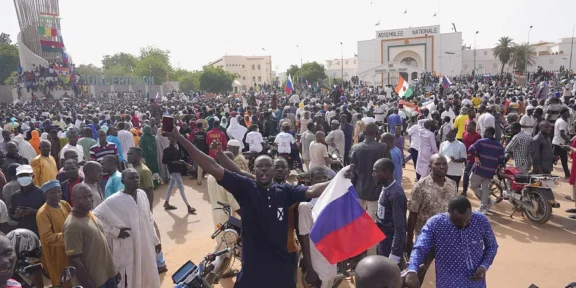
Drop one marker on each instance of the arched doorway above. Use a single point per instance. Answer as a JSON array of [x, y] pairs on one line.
[[404, 75], [409, 61]]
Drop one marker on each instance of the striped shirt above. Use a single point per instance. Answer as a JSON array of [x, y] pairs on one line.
[[97, 152], [490, 152], [521, 149]]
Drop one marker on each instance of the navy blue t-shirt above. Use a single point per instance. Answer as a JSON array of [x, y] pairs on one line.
[[265, 257]]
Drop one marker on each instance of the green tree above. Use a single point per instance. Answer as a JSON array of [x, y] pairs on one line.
[[126, 60], [522, 54], [189, 80], [216, 80], [313, 72], [9, 59], [89, 69], [154, 62], [503, 51], [292, 71], [10, 79]]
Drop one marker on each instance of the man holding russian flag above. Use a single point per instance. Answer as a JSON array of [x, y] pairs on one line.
[[342, 229]]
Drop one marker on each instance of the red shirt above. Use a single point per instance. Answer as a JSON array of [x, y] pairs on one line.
[[469, 139], [213, 135], [71, 186]]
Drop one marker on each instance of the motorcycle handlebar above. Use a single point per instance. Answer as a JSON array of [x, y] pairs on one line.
[[213, 256]]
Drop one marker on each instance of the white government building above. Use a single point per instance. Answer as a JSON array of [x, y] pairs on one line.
[[411, 51]]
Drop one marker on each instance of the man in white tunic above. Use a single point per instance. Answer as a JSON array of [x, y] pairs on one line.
[[128, 224]]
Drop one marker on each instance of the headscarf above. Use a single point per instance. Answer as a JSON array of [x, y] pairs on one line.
[[35, 141], [224, 123], [236, 131], [136, 135], [360, 125], [44, 136], [25, 149], [149, 150]]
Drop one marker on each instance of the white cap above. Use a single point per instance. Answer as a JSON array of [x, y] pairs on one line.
[[234, 143], [24, 169]]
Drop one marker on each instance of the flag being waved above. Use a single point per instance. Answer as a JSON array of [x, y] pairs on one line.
[[446, 82], [289, 86], [403, 88], [342, 229]]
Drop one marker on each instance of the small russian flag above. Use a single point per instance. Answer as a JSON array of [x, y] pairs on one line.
[[289, 87], [342, 229], [446, 82]]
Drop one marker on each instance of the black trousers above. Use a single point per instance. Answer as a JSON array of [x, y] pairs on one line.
[[456, 179], [558, 151]]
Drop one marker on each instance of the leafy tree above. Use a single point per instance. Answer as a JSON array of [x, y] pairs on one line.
[[312, 72], [117, 70], [9, 59], [189, 80], [216, 80], [126, 60], [503, 51], [522, 54], [293, 70], [154, 62], [88, 70], [10, 79]]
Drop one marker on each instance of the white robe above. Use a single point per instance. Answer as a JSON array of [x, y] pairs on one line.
[[25, 149], [134, 256]]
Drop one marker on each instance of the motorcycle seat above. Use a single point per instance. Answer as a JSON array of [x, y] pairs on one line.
[[522, 178]]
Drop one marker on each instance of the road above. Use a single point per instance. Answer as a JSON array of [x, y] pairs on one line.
[[529, 254]]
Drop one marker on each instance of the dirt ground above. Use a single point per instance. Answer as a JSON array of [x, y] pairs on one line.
[[529, 254]]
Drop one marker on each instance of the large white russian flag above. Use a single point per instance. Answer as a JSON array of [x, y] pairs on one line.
[[342, 229]]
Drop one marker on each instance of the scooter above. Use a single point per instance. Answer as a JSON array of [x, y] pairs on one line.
[[530, 194]]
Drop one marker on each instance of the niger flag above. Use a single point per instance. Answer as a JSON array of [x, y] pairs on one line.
[[403, 88]]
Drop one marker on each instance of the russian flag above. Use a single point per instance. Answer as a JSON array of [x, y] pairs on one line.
[[342, 229], [446, 82], [289, 87]]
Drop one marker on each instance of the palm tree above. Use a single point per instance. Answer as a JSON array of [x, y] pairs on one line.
[[503, 51], [522, 54]]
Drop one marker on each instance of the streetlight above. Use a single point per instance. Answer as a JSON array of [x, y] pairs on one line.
[[474, 71], [526, 59], [297, 46], [571, 47], [342, 62], [270, 64]]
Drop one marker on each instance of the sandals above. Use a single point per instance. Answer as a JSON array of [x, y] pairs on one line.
[[169, 207], [569, 198], [191, 210], [571, 210]]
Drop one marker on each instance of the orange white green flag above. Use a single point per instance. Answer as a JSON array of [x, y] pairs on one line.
[[403, 88]]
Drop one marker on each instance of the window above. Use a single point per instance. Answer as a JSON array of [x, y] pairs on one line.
[[243, 66], [485, 53], [253, 67], [258, 66], [329, 63], [346, 62], [337, 62], [550, 61], [253, 78], [259, 79], [495, 65]]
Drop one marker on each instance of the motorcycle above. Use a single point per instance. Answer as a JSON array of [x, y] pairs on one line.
[[26, 266], [192, 276], [231, 240], [530, 194], [303, 178]]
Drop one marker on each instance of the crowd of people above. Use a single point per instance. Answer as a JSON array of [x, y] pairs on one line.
[[81, 175]]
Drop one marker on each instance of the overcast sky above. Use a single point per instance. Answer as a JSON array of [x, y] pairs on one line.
[[197, 32]]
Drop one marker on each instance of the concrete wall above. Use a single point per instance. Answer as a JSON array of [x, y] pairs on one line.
[[27, 58], [6, 95]]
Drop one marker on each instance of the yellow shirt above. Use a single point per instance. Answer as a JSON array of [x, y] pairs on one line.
[[44, 169], [460, 124], [476, 101]]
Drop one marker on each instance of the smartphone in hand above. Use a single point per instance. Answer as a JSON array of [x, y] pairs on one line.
[[167, 123]]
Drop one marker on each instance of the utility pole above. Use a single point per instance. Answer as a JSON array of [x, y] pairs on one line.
[[342, 63], [474, 70], [526, 59], [571, 50]]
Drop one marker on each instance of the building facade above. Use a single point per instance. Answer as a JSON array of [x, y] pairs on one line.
[[408, 52], [335, 67], [549, 55], [250, 69]]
